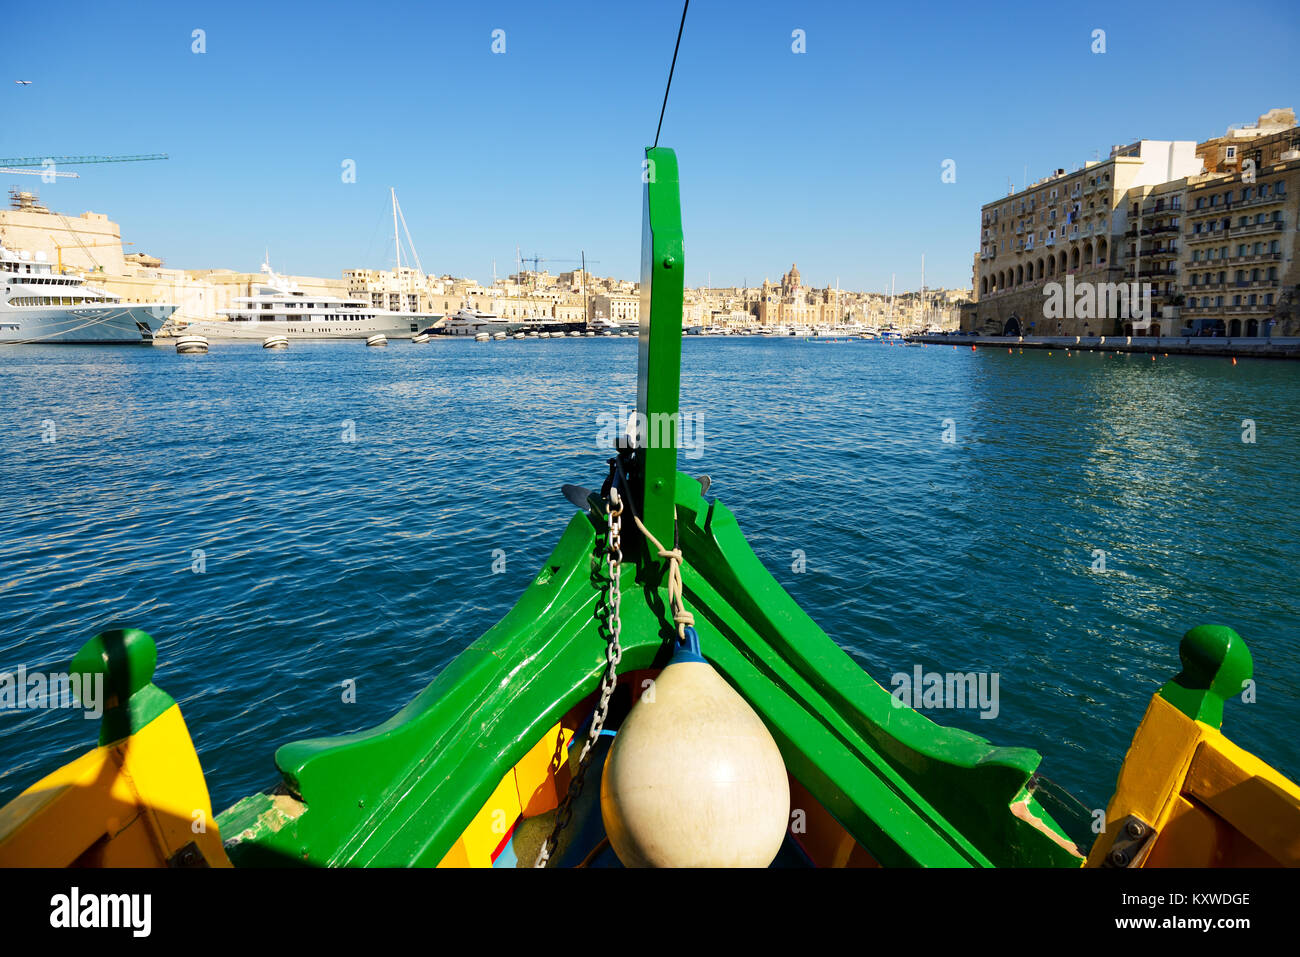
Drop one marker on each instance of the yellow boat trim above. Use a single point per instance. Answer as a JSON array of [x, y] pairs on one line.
[[1211, 803], [139, 802]]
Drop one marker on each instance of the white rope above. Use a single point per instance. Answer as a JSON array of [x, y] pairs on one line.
[[681, 617]]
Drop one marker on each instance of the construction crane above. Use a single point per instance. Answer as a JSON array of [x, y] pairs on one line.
[[59, 247], [78, 160], [542, 259], [535, 260], [46, 166]]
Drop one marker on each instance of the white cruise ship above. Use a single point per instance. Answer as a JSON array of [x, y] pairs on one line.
[[280, 308], [39, 305]]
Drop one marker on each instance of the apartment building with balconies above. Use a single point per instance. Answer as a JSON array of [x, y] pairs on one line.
[[1240, 274], [1151, 253], [1066, 225]]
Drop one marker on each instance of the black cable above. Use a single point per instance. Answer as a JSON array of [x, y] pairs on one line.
[[668, 86]]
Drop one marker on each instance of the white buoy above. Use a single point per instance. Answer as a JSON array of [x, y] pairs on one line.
[[543, 335], [520, 335], [378, 339], [420, 338], [191, 345], [499, 336], [482, 337], [275, 342], [694, 778]]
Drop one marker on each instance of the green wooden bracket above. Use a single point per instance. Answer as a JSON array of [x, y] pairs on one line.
[[659, 357], [123, 659], [1216, 667]]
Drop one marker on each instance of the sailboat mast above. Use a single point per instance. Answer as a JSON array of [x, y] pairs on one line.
[[397, 243]]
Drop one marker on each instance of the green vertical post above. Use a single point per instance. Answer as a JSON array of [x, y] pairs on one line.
[[659, 358]]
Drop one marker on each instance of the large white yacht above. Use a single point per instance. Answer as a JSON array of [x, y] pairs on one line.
[[472, 322], [281, 308], [41, 305]]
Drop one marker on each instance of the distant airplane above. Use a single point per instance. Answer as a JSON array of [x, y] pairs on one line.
[[23, 82]]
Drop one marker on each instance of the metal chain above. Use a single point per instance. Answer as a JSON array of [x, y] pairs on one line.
[[613, 655]]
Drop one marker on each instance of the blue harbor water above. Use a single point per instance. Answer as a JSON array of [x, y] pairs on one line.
[[321, 559]]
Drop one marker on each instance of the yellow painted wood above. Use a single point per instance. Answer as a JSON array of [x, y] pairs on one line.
[[488, 828], [536, 773], [1260, 803], [134, 803], [1212, 803], [531, 788]]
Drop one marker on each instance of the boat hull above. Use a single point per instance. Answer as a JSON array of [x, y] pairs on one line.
[[906, 790], [117, 324], [398, 327]]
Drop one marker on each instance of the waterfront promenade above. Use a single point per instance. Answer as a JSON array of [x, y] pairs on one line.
[[1274, 348]]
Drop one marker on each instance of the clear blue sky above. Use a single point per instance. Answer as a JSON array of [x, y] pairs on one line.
[[830, 158]]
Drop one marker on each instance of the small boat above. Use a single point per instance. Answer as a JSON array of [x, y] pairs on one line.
[[379, 339], [276, 342], [656, 698], [190, 345]]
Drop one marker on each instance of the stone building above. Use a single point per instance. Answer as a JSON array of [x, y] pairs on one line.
[[1066, 226], [1241, 274]]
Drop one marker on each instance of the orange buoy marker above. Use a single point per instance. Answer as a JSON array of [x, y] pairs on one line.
[[972, 347], [694, 778], [1234, 360]]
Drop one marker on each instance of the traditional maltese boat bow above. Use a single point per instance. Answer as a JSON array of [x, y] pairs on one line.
[[655, 698]]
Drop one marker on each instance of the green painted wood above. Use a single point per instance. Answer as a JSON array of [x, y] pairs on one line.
[[912, 792], [1216, 666], [659, 352], [124, 659]]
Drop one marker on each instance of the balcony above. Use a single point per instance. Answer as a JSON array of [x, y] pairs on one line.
[[1272, 226], [1262, 201]]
